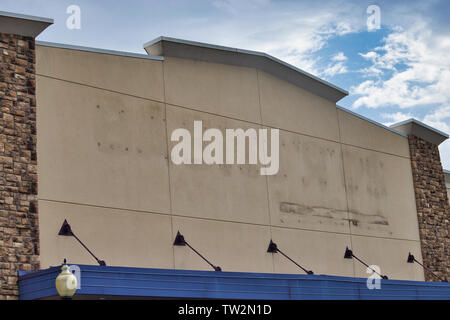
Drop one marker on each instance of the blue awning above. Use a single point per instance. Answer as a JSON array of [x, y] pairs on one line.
[[123, 282]]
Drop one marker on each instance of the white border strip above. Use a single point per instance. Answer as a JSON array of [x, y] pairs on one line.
[[97, 50], [25, 17]]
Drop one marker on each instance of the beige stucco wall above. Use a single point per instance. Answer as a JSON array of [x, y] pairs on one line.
[[104, 126]]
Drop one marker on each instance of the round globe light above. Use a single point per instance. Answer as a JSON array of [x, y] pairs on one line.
[[66, 283]]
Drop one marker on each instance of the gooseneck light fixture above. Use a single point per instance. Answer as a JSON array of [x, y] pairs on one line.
[[349, 255], [66, 231], [273, 248], [181, 242], [412, 259], [66, 283]]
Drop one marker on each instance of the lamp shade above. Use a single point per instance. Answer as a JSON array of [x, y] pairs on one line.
[[66, 283]]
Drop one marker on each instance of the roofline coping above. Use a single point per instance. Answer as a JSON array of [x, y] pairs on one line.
[[243, 51], [26, 17], [412, 120], [421, 130], [98, 50], [22, 24]]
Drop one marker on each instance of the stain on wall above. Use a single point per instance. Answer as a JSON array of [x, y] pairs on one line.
[[329, 215]]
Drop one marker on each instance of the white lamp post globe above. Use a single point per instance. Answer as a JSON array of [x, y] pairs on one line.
[[66, 283]]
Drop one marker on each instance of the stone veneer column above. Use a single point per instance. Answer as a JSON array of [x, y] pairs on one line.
[[432, 206], [431, 195], [19, 233]]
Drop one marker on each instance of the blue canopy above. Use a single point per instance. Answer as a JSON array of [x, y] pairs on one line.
[[130, 283]]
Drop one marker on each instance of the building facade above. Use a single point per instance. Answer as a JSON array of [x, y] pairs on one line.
[[86, 138]]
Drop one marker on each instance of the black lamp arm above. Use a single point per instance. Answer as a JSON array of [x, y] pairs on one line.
[[349, 254], [412, 259], [100, 262], [66, 231], [273, 248], [180, 241], [216, 268]]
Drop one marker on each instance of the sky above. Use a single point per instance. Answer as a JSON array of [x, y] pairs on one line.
[[394, 72]]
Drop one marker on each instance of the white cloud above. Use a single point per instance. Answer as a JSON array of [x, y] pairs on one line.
[[371, 55], [335, 69], [396, 117], [420, 66], [371, 71], [339, 57], [338, 67], [439, 119]]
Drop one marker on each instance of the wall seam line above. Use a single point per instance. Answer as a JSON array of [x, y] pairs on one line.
[[345, 188], [217, 220], [168, 159], [266, 177]]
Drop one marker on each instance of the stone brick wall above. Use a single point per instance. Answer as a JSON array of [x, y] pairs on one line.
[[19, 243], [432, 206]]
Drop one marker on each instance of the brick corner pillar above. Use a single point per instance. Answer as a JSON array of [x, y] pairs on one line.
[[433, 210], [19, 228]]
